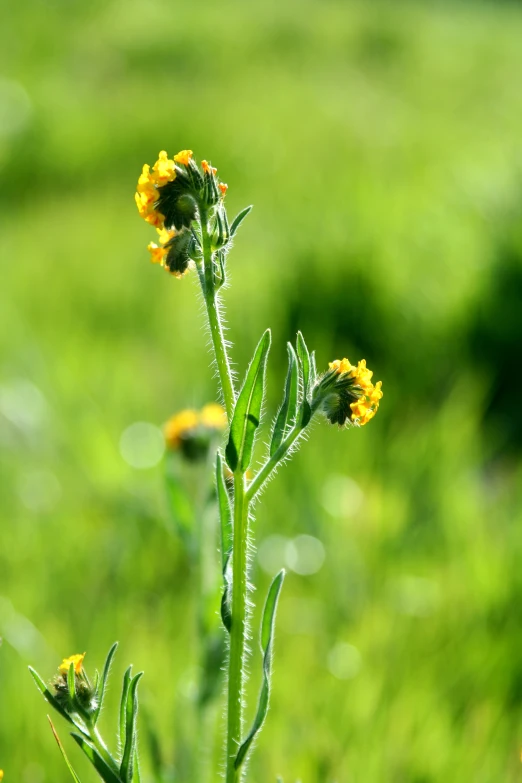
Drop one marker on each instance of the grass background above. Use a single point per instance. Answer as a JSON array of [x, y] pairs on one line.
[[381, 146]]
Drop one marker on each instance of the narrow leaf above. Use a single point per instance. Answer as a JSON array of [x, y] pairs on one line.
[[313, 369], [267, 635], [123, 706], [137, 772], [287, 412], [102, 767], [239, 219], [247, 411], [131, 716], [225, 512], [226, 614], [100, 689], [304, 361], [71, 683], [62, 751], [42, 687]]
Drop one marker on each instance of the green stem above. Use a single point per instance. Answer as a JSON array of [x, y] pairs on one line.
[[272, 463], [236, 664], [102, 749], [214, 320]]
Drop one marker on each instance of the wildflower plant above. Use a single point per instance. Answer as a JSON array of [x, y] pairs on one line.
[[185, 203]]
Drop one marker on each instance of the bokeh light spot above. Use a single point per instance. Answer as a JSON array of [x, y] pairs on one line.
[[305, 555], [142, 445], [344, 661]]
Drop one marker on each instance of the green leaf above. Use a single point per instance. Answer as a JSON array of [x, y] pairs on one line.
[[131, 717], [304, 361], [71, 683], [267, 635], [225, 512], [123, 705], [313, 369], [239, 219], [247, 411], [137, 772], [227, 538], [100, 688], [62, 751], [42, 687], [101, 766], [226, 614], [287, 412]]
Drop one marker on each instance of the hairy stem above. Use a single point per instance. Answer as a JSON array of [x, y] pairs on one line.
[[272, 463], [236, 663], [214, 320], [100, 746]]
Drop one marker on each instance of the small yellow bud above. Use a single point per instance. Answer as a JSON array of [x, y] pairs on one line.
[[207, 168], [183, 157]]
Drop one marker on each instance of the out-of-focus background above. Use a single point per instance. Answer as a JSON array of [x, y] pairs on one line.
[[381, 145]]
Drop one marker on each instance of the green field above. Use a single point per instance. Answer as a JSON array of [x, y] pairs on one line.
[[381, 144]]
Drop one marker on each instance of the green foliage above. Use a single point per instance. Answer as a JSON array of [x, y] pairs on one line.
[[100, 765], [288, 410], [239, 219], [100, 691], [247, 412], [267, 635], [131, 716]]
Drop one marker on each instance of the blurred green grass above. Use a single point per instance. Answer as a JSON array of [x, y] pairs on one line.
[[381, 146]]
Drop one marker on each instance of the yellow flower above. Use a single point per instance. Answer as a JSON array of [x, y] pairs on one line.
[[364, 408], [158, 252], [179, 425], [223, 188], [164, 170], [183, 157], [1, 774], [213, 416], [77, 660]]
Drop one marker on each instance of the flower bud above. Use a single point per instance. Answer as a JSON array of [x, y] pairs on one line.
[[85, 697]]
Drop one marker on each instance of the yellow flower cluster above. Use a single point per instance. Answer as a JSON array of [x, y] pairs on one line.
[[366, 406], [184, 423], [1, 775], [163, 171], [77, 660]]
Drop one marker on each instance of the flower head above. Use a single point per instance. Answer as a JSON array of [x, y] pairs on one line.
[[85, 698], [1, 775], [77, 660], [346, 393], [180, 426], [191, 432]]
